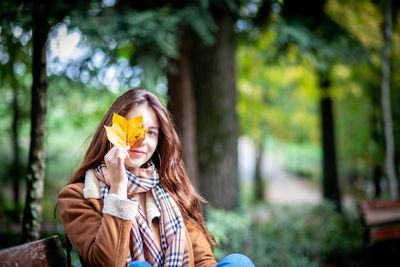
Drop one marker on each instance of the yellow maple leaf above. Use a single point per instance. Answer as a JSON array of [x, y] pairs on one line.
[[125, 132]]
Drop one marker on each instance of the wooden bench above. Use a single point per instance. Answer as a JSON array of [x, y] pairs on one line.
[[44, 252], [381, 220]]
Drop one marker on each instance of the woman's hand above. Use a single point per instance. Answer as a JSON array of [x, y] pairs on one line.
[[115, 159]]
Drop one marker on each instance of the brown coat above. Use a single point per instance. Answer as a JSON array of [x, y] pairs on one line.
[[103, 239]]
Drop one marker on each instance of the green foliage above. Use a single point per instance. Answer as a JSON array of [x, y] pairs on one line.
[[357, 86], [356, 148], [302, 159], [317, 35], [74, 112], [277, 100], [155, 29], [133, 33], [143, 34], [20, 12], [292, 236], [278, 93]]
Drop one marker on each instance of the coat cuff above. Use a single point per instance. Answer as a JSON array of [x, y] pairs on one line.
[[122, 208]]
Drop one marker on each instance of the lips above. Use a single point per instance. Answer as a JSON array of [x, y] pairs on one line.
[[137, 152]]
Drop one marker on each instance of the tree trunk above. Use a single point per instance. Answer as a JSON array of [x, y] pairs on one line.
[[213, 72], [258, 182], [181, 104], [377, 140], [377, 174], [16, 171], [36, 168], [329, 167], [385, 87], [15, 141]]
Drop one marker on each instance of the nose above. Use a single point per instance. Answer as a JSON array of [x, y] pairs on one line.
[[140, 141]]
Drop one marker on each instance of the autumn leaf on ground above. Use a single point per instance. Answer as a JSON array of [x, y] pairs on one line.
[[125, 132]]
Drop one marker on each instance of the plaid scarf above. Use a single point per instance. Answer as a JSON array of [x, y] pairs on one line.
[[173, 250]]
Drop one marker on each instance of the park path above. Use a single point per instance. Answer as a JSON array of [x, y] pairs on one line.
[[287, 188], [283, 187]]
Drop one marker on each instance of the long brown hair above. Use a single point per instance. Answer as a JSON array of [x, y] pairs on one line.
[[167, 158]]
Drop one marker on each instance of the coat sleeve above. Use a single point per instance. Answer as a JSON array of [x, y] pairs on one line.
[[100, 237], [203, 256]]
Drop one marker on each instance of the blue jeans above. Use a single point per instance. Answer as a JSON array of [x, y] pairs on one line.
[[232, 260], [236, 260], [139, 264]]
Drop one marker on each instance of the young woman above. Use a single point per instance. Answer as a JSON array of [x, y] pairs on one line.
[[135, 205]]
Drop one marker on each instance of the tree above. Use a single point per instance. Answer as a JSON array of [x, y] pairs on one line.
[[324, 43], [330, 183], [367, 74], [10, 79], [36, 165], [253, 104], [182, 105], [214, 79], [181, 101], [276, 100], [39, 16], [385, 87]]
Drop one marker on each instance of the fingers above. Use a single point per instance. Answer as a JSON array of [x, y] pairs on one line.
[[124, 152], [115, 159], [116, 155], [119, 150]]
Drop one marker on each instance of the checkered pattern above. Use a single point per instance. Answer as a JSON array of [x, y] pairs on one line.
[[143, 241]]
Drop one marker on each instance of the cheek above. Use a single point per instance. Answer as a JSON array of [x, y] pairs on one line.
[[153, 145]]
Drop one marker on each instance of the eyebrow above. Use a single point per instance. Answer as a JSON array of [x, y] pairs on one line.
[[153, 128]]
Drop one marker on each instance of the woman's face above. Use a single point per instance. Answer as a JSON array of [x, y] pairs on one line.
[[141, 152]]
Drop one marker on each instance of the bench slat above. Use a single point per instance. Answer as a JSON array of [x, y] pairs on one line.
[[378, 212], [44, 252], [385, 233]]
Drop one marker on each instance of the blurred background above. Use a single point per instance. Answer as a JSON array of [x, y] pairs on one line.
[[288, 112]]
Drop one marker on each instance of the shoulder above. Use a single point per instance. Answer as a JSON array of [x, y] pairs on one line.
[[70, 195], [71, 199], [88, 189], [75, 189]]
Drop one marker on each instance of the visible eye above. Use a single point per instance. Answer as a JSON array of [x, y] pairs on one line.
[[152, 133]]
